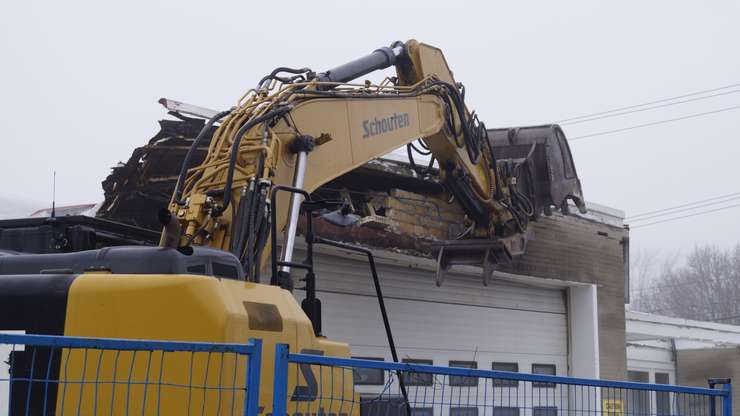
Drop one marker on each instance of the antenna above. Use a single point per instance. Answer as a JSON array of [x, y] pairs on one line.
[[54, 196]]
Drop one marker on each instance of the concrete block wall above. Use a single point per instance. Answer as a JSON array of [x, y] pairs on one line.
[[576, 249]]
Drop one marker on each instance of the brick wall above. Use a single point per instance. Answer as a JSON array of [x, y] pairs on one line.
[[425, 216]]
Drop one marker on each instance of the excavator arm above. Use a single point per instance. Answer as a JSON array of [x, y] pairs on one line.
[[301, 129]]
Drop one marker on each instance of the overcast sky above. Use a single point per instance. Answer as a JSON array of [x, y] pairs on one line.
[[79, 83]]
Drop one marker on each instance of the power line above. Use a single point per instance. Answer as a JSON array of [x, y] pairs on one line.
[[617, 114], [649, 103], [685, 216], [678, 211], [684, 205], [654, 123]]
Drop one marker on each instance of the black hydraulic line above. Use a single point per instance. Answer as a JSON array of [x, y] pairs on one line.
[[472, 138], [413, 164], [191, 151], [381, 303], [235, 150], [264, 230], [280, 69], [256, 219], [498, 195], [424, 152], [243, 211], [257, 227]]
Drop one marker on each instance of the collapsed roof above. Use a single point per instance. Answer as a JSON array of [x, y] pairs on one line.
[[400, 209]]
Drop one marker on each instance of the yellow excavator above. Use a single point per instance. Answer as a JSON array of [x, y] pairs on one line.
[[235, 217]]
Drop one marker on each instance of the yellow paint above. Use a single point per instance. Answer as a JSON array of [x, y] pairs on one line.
[[610, 407], [343, 117], [182, 308]]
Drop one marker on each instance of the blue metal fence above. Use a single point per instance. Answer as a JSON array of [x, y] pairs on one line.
[[84, 376], [80, 376], [424, 390]]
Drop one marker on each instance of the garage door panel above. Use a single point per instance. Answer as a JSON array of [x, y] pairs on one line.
[[441, 326], [462, 320], [351, 276]]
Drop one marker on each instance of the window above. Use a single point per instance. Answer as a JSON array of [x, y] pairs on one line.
[[197, 269], [505, 411], [417, 379], [372, 405], [662, 398], [463, 411], [638, 376], [638, 401], [368, 376], [544, 411], [510, 367], [661, 378], [544, 369], [225, 270], [462, 380], [422, 411]]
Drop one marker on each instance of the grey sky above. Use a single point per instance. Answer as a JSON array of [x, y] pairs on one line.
[[79, 83]]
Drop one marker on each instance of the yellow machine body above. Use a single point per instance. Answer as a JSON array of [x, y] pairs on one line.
[[185, 308]]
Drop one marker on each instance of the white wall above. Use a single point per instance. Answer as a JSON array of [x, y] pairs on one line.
[[583, 337]]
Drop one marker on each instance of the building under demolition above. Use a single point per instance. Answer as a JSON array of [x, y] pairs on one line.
[[557, 310]]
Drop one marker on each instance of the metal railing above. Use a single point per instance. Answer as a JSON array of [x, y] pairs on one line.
[[450, 391], [60, 375], [57, 375]]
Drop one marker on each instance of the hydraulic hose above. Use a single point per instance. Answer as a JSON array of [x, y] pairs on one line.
[[191, 151], [235, 150], [280, 69]]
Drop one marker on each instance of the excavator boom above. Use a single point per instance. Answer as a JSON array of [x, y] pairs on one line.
[[302, 129]]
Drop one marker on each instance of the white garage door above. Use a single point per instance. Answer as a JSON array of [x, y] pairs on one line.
[[460, 321]]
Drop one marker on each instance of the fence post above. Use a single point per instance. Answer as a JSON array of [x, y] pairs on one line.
[[727, 402], [280, 387], [252, 396]]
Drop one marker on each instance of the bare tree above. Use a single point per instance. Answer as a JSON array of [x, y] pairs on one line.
[[706, 287], [643, 271]]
